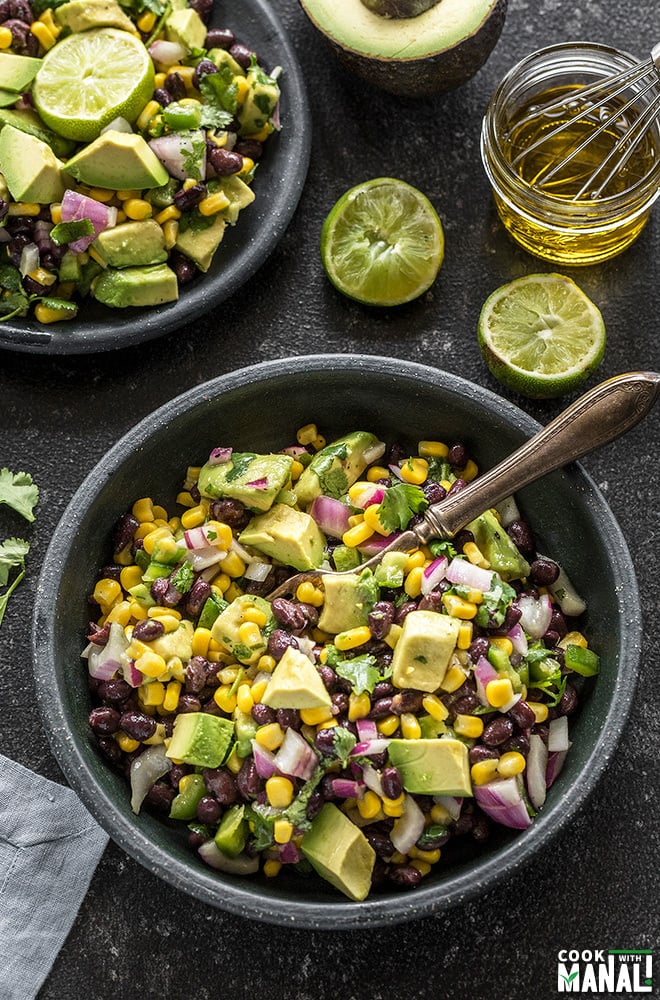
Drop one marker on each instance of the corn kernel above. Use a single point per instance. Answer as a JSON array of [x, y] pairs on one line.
[[432, 449], [510, 764], [377, 472], [440, 814], [470, 726], [157, 535], [137, 209], [6, 38], [56, 207], [222, 582], [372, 519], [185, 72], [44, 35], [143, 510], [316, 716], [470, 471], [250, 634], [184, 499], [152, 694], [457, 607], [243, 88], [359, 706], [453, 679], [413, 582], [434, 707], [388, 726], [193, 517], [499, 692], [279, 791], [539, 709], [266, 663], [244, 699], [137, 611], [393, 635], [356, 535], [282, 831], [305, 435], [257, 690], [430, 857], [200, 641], [503, 643], [415, 471], [151, 664], [464, 639], [106, 593], [120, 613], [127, 744], [233, 565], [146, 21], [475, 555], [262, 134], [224, 699], [171, 698], [150, 109], [573, 639], [484, 771], [270, 736], [165, 613], [272, 868], [353, 637], [176, 669], [415, 560], [248, 165], [170, 234], [410, 727], [130, 576], [307, 593], [233, 763], [423, 867], [297, 469], [213, 204], [393, 807], [45, 314], [43, 276], [23, 208], [369, 805], [232, 592]]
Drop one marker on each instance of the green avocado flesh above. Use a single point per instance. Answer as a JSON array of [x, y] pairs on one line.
[[441, 27]]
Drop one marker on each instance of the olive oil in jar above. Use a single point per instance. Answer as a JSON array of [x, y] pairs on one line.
[[570, 212]]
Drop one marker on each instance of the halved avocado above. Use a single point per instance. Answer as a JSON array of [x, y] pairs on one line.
[[412, 56]]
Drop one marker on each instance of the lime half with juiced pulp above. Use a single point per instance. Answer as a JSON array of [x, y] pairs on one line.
[[540, 335], [89, 79], [382, 243]]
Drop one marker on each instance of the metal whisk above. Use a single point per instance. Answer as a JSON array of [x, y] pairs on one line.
[[595, 98]]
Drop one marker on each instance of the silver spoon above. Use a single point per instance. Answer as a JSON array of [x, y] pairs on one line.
[[601, 415]]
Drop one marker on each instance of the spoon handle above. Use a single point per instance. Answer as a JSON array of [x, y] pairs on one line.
[[596, 418]]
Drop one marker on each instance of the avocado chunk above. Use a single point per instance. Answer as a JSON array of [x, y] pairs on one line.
[[26, 120], [500, 551], [348, 600], [200, 244], [175, 643], [240, 196], [295, 683], [30, 168], [253, 479], [200, 739], [260, 101], [131, 243], [412, 54], [422, 654], [136, 286], [337, 466], [17, 72], [232, 834], [226, 626], [119, 161], [288, 535], [81, 15], [432, 767], [221, 57], [340, 852], [186, 27]]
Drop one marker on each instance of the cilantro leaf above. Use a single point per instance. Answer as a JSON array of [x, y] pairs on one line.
[[262, 819], [443, 548], [214, 117], [296, 813], [10, 278], [492, 611], [67, 232], [19, 492], [12, 556], [191, 155], [184, 578], [220, 91], [362, 671], [399, 504], [343, 743]]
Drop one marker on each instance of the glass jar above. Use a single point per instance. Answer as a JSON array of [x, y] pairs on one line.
[[558, 226]]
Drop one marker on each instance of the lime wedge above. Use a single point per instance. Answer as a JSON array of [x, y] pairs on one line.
[[90, 78], [382, 243], [540, 335]]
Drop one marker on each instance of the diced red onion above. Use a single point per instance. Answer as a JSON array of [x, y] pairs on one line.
[[275, 120], [295, 450], [257, 571], [452, 804], [118, 125], [558, 734], [537, 762], [295, 757], [502, 801], [433, 574], [167, 53], [29, 258], [78, 206], [513, 700], [536, 614], [409, 827], [367, 730], [240, 865], [289, 853], [371, 778], [518, 640], [368, 748], [200, 559], [508, 510], [377, 543], [565, 593], [368, 496], [220, 456], [377, 450], [462, 571], [484, 672], [243, 553], [259, 484], [555, 764], [132, 675], [175, 151], [331, 515], [396, 471], [196, 538], [146, 769], [103, 662], [344, 788], [264, 760]]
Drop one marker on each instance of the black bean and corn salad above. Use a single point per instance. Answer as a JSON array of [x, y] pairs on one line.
[[121, 188], [357, 725]]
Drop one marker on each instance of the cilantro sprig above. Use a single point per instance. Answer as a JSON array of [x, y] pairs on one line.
[[19, 492], [12, 556], [399, 504]]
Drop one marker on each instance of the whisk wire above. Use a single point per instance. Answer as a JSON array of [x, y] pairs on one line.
[[631, 144]]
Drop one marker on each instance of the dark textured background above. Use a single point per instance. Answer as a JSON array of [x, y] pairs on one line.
[[597, 884]]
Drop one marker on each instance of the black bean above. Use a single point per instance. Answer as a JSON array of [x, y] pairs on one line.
[[568, 701], [380, 619], [433, 492], [220, 782], [407, 701], [205, 67], [23, 41], [314, 804], [225, 161], [208, 809], [404, 876], [219, 38], [196, 674], [465, 705], [520, 534], [325, 787], [392, 785], [380, 841], [433, 601], [99, 635], [148, 629], [382, 690], [381, 708], [162, 96], [288, 614], [187, 198], [551, 638], [242, 54], [311, 615], [251, 148], [558, 623], [160, 797], [457, 456], [189, 703], [248, 782], [197, 597], [403, 611], [522, 715], [159, 589], [543, 572], [328, 676], [324, 740], [110, 749], [116, 690], [174, 84], [497, 731], [481, 828], [262, 714], [124, 530], [104, 721], [33, 287], [340, 702], [478, 647], [464, 824], [278, 643], [195, 839], [231, 512], [518, 742], [542, 731], [203, 8], [137, 725], [288, 718], [456, 487]]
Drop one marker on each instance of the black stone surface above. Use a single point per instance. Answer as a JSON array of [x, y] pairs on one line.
[[597, 885]]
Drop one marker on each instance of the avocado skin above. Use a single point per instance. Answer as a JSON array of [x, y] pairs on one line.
[[432, 74]]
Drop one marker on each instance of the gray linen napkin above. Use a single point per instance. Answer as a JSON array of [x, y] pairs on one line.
[[49, 848]]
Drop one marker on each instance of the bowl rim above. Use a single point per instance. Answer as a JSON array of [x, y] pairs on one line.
[[426, 900], [271, 214]]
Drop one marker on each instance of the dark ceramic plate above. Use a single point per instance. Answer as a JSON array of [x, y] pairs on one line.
[[278, 185], [260, 408]]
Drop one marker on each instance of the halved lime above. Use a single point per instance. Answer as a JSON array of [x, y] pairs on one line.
[[382, 243], [540, 335], [90, 78]]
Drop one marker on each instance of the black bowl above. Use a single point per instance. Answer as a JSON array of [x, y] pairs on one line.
[[278, 185], [260, 408]]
